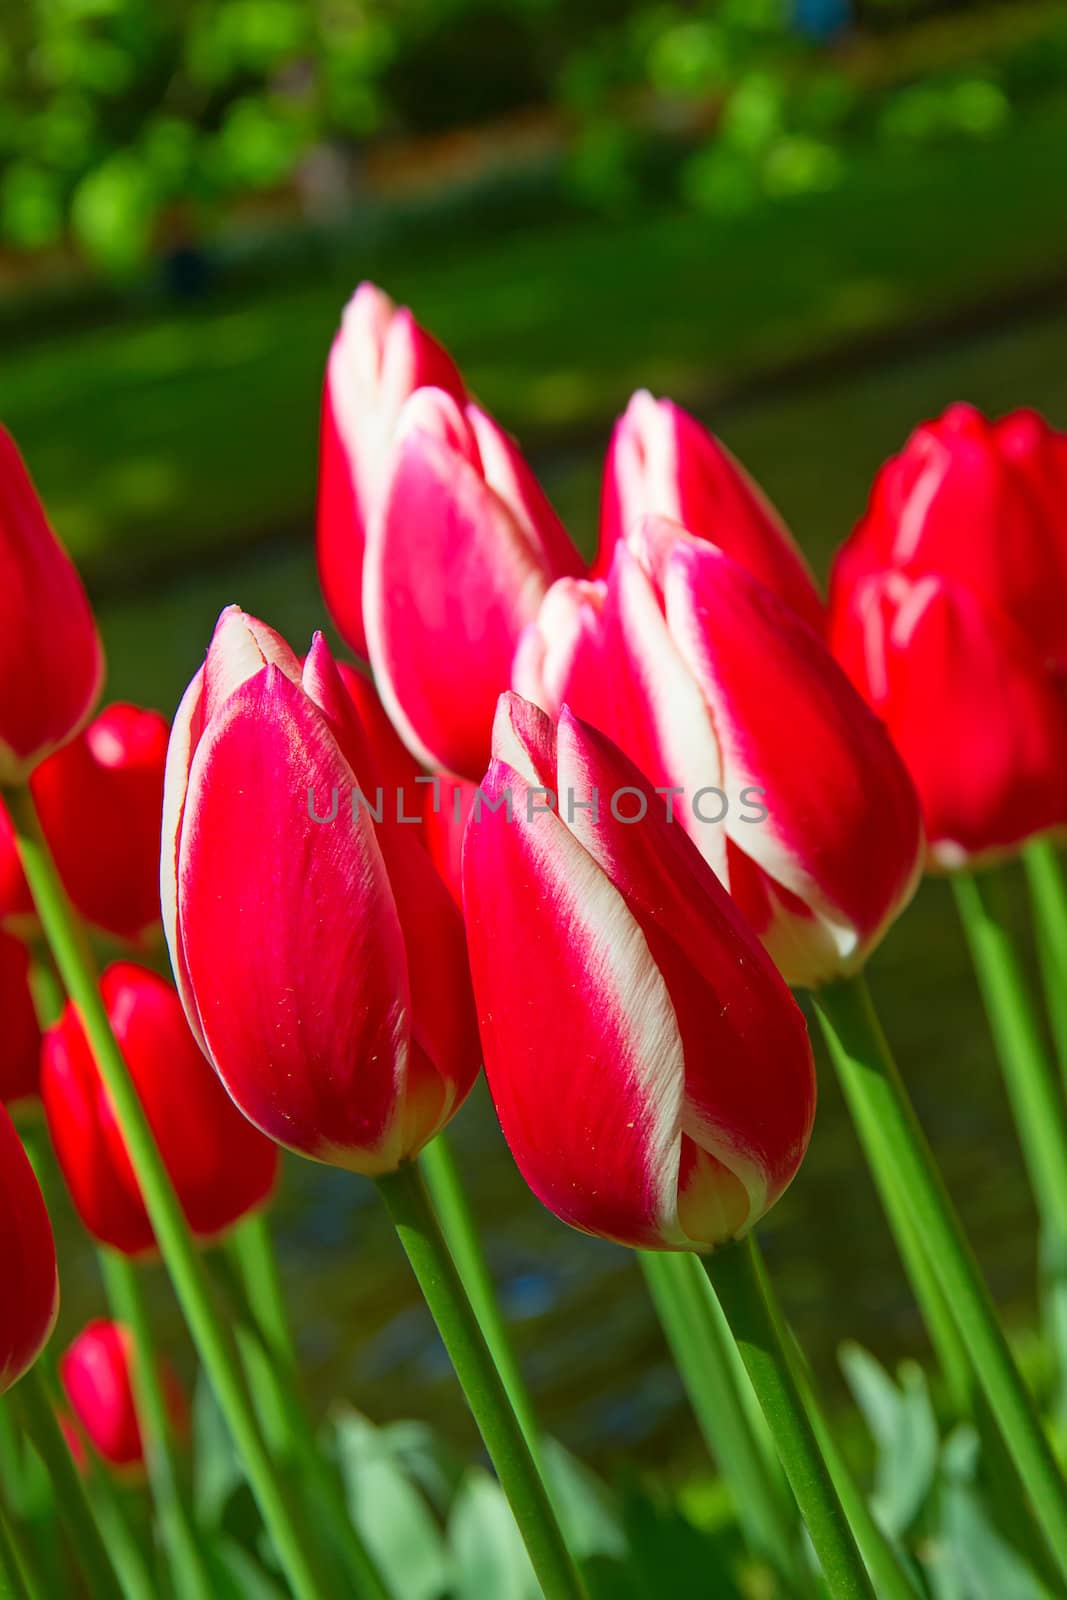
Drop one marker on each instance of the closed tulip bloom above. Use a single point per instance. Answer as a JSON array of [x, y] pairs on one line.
[[96, 1372], [651, 1072], [100, 801], [20, 1037], [661, 462], [16, 906], [321, 962], [27, 1261], [221, 1168], [397, 772], [51, 664], [947, 613], [463, 549], [718, 691], [379, 357], [447, 804]]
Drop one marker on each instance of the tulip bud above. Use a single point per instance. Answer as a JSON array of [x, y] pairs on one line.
[[220, 1167], [96, 1372], [379, 357], [320, 960], [27, 1261], [947, 613], [661, 462], [447, 805], [20, 1037], [100, 801], [462, 550], [725, 698], [51, 665], [651, 1071], [396, 771]]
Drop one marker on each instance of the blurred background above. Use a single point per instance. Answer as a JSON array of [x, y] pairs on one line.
[[814, 222]]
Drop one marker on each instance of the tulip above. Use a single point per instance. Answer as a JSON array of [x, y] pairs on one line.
[[320, 960], [27, 1261], [720, 693], [661, 462], [463, 549], [97, 1378], [397, 772], [220, 1167], [51, 664], [100, 801], [651, 1071], [947, 614], [379, 357], [16, 904], [20, 1037]]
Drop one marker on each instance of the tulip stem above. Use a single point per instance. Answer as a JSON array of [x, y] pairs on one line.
[[409, 1205], [890, 1133], [461, 1233], [270, 1362], [705, 1354], [39, 1421], [748, 1301], [1028, 1072], [188, 1274], [127, 1304], [1048, 893]]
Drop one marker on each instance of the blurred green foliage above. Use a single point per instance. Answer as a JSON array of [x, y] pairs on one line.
[[126, 125]]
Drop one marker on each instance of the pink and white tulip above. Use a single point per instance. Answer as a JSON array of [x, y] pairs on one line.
[[652, 1073], [715, 688], [662, 462], [321, 962], [51, 664], [459, 556], [379, 357]]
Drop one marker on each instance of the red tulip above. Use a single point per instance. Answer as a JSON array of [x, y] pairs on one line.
[[96, 1372], [219, 1165], [20, 1037], [100, 801], [16, 905], [947, 613], [721, 693], [397, 771], [661, 462], [651, 1071], [458, 559], [51, 665], [27, 1261], [379, 357], [318, 955]]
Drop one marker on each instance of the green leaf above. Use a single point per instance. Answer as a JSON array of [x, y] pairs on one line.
[[488, 1553], [390, 1512], [424, 1456], [217, 1470], [589, 1511], [971, 1561], [904, 1428]]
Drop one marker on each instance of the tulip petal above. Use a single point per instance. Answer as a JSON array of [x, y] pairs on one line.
[[576, 1017], [842, 830], [328, 986]]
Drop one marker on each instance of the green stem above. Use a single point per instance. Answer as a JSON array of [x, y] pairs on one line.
[[39, 1421], [460, 1230], [889, 1130], [270, 1361], [886, 1564], [748, 1302], [1048, 893], [1028, 1073], [179, 1536], [404, 1193], [123, 1546], [65, 936], [701, 1344]]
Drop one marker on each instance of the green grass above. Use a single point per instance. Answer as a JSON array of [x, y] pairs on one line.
[[174, 434]]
